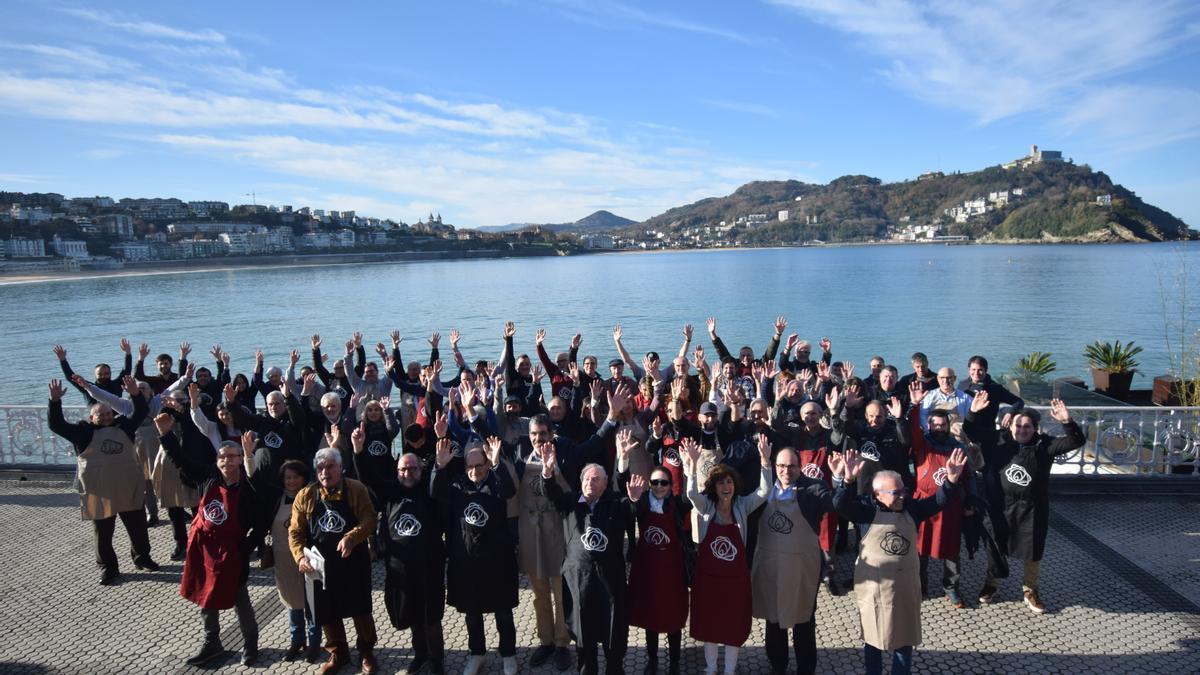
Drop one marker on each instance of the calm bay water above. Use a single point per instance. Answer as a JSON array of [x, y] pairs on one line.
[[948, 301]]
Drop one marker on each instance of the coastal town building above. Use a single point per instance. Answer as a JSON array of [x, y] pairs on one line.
[[156, 209], [208, 209], [131, 251], [69, 248], [1036, 156], [20, 247]]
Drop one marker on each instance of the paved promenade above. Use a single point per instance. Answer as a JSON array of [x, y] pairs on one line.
[[1121, 583]]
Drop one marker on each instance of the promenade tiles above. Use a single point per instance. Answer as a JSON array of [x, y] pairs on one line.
[[1121, 582]]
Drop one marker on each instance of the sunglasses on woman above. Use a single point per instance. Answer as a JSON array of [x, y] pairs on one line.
[[660, 482]]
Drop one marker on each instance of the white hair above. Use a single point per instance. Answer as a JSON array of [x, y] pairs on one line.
[[274, 394], [97, 407], [273, 371], [327, 454], [591, 466], [885, 474], [328, 397]]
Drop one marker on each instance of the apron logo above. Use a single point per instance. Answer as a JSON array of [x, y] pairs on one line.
[[812, 471], [110, 447], [655, 536], [215, 513], [536, 486], [780, 523], [475, 515], [1017, 475], [407, 526], [939, 476], [332, 522], [869, 451], [706, 466], [339, 391], [205, 400], [723, 548], [272, 440], [671, 456], [893, 543], [594, 540], [377, 448]]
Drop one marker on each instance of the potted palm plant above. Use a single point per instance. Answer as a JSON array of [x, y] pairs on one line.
[[1112, 366], [1031, 369]]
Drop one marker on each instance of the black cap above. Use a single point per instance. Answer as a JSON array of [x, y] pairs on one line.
[[615, 362]]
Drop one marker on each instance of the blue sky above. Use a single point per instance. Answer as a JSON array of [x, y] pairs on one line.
[[499, 111]]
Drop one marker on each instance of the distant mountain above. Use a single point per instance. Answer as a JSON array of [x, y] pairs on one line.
[[1044, 201], [597, 222]]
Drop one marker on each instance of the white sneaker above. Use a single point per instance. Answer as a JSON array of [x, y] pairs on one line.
[[474, 664], [510, 665]]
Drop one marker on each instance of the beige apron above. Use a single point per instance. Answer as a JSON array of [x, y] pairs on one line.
[[539, 526], [110, 480], [887, 584], [169, 487], [787, 565], [289, 581], [704, 463]]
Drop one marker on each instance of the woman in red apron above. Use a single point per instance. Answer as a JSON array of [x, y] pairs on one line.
[[657, 579], [721, 595]]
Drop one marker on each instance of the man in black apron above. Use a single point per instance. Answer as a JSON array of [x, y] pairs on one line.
[[335, 516]]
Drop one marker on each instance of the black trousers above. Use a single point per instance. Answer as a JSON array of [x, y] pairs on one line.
[[589, 659], [673, 640], [950, 575], [477, 641], [246, 621], [135, 527], [804, 641], [427, 640], [179, 521]]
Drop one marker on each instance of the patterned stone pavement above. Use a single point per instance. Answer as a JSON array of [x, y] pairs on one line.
[[1121, 583]]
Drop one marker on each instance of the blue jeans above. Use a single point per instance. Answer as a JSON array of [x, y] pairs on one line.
[[901, 660], [297, 618]]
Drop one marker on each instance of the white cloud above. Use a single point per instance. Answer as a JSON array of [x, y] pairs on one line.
[[998, 60], [76, 59], [606, 14], [1131, 118], [144, 28], [748, 107]]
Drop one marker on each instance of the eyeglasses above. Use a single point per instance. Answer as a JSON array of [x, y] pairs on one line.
[[946, 377], [787, 466], [230, 456], [659, 482], [895, 493], [407, 469]]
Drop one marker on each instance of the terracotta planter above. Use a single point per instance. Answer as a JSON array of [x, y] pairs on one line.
[[1112, 385]]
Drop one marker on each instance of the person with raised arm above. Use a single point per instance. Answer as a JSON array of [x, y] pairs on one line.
[[721, 592], [231, 521], [334, 515], [163, 362], [887, 587], [103, 373], [594, 521], [280, 433], [289, 581], [561, 384], [110, 480], [797, 353], [482, 559], [1023, 457]]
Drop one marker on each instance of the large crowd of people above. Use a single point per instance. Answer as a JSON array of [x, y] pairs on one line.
[[659, 495]]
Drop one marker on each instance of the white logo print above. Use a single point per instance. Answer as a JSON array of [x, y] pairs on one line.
[[215, 513], [671, 456], [869, 451], [1017, 475], [377, 448], [332, 522], [475, 515], [723, 548], [811, 470], [656, 536], [407, 525], [272, 440], [939, 476], [594, 540]]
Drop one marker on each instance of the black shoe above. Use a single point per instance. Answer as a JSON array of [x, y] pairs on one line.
[[437, 668], [562, 659], [541, 655], [416, 665], [651, 667], [832, 587], [208, 652], [249, 655], [178, 554], [673, 668], [313, 654], [146, 564], [152, 520], [292, 652], [109, 577]]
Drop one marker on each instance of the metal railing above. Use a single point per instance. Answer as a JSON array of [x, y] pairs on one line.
[[1122, 440]]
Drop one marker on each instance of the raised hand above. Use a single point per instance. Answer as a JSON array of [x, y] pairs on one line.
[[225, 359], [711, 322], [333, 436], [381, 350], [854, 396], [295, 357], [60, 352], [854, 464], [576, 340], [573, 370], [756, 372], [980, 402], [540, 336], [510, 329], [617, 333], [358, 438], [596, 388], [78, 380], [780, 325], [916, 392], [194, 395], [258, 356], [549, 454], [445, 451], [125, 346], [823, 371], [1058, 410], [831, 398], [185, 348], [249, 442], [847, 370], [656, 427], [435, 370], [455, 336], [791, 343], [625, 443], [57, 390], [396, 338], [385, 402], [691, 451], [687, 332], [357, 339], [349, 347], [955, 465], [494, 446], [538, 373], [837, 465], [316, 341], [163, 423], [764, 450], [131, 386], [230, 393], [895, 408], [636, 487], [435, 339], [310, 384], [143, 351], [216, 352], [617, 400], [441, 424], [648, 365], [826, 345]]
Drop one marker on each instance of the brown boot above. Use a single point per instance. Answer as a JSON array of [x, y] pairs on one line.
[[369, 664], [337, 659]]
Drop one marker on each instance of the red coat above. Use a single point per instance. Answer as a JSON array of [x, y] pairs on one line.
[[814, 463], [212, 571], [940, 535]]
